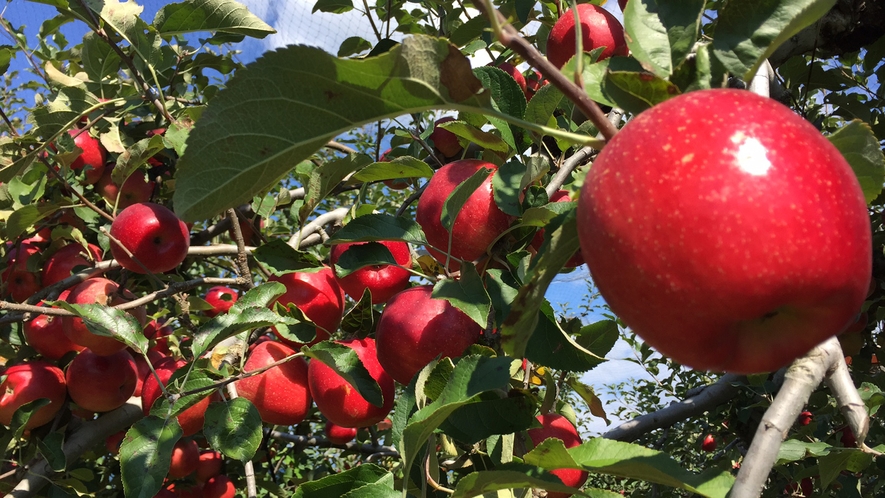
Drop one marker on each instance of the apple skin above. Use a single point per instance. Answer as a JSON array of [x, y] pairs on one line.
[[209, 465], [101, 383], [97, 290], [153, 234], [338, 401], [699, 240], [318, 296], [280, 394], [92, 158], [477, 225], [191, 419], [28, 381], [46, 335], [221, 298], [383, 280], [337, 434], [18, 281], [133, 191], [599, 28], [219, 486], [112, 443], [554, 425], [414, 329], [709, 443], [445, 141], [185, 459], [60, 265], [805, 418]]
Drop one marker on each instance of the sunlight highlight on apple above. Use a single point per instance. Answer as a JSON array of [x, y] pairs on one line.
[[751, 155]]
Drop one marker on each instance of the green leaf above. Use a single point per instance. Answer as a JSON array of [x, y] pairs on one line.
[[353, 45], [260, 296], [467, 294], [332, 6], [227, 16], [599, 337], [455, 200], [229, 324], [543, 104], [361, 256], [484, 139], [648, 88], [510, 476], [22, 219], [62, 111], [375, 227], [492, 415], [52, 449], [630, 461], [833, 463], [502, 288], [861, 149], [184, 380], [145, 455], [279, 257], [326, 177], [748, 32], [343, 482], [6, 55], [110, 322], [589, 396], [550, 346], [135, 156], [99, 59], [661, 34], [283, 107], [511, 179], [345, 362], [400, 167], [233, 427], [793, 450]]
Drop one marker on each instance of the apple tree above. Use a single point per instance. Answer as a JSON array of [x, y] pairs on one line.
[[324, 274]]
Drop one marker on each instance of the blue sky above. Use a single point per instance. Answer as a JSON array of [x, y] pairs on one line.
[[295, 24]]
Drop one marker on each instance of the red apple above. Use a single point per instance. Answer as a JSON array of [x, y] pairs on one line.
[[554, 425], [18, 281], [847, 437], [337, 434], [154, 236], [339, 401], [221, 298], [533, 82], [414, 329], [209, 465], [219, 486], [599, 28], [92, 158], [135, 189], [318, 295], [694, 223], [185, 459], [805, 418], [112, 443], [101, 383], [159, 334], [538, 240], [46, 335], [97, 290], [62, 263], [382, 280], [445, 141], [479, 223], [191, 419], [27, 382], [709, 443], [281, 393]]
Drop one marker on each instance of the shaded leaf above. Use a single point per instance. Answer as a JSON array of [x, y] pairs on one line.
[[375, 227], [109, 322], [467, 294], [227, 16], [233, 427], [861, 149], [550, 346], [510, 476], [343, 482], [326, 177], [492, 415], [360, 256], [345, 362], [400, 167], [279, 257], [145, 455]]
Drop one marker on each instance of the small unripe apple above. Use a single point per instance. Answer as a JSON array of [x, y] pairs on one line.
[[27, 382], [414, 329], [191, 419], [339, 401], [479, 223], [554, 425], [599, 28], [382, 280], [153, 234], [101, 383], [709, 443], [92, 158], [337, 434], [97, 290], [61, 264], [209, 465], [747, 296], [318, 295], [445, 141], [185, 458], [221, 298], [280, 394], [219, 486]]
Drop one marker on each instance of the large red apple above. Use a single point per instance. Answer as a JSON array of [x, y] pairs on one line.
[[153, 234], [101, 383], [92, 158], [27, 382], [221, 298], [135, 189], [318, 295], [414, 329], [62, 263], [46, 335], [191, 419], [726, 232], [478, 224], [382, 280], [185, 459], [599, 28], [554, 425], [97, 290], [281, 393], [339, 401]]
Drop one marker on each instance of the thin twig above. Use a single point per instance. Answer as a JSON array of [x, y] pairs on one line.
[[241, 261], [251, 487]]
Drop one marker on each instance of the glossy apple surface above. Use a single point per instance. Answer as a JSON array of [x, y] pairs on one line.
[[92, 158], [219, 486], [191, 419], [62, 263], [46, 335], [694, 222], [414, 329], [185, 458], [27, 382], [101, 383], [337, 434], [339, 401], [709, 443], [318, 296], [281, 393], [554, 425], [443, 140], [97, 290], [153, 234], [221, 298], [382, 280], [209, 465], [599, 28], [477, 225]]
